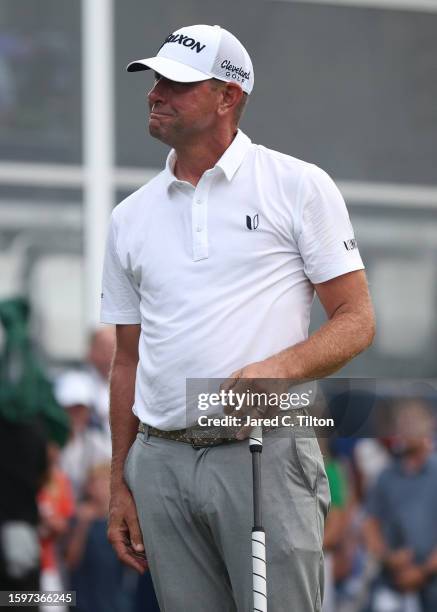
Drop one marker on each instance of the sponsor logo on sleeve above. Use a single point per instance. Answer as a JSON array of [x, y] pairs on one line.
[[351, 244]]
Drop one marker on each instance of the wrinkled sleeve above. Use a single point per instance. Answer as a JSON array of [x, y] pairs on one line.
[[326, 238], [120, 297]]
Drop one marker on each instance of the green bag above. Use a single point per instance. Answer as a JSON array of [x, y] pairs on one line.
[[25, 391]]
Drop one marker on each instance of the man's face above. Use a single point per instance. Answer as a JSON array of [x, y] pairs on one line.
[[413, 429], [181, 112]]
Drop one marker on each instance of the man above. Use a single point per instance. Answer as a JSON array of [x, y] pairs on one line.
[[401, 528], [87, 445], [210, 272]]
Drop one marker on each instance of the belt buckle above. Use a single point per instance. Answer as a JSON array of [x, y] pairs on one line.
[[198, 442]]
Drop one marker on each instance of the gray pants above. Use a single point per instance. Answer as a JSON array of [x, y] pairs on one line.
[[195, 512]]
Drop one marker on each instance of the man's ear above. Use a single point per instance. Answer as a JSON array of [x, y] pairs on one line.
[[231, 95]]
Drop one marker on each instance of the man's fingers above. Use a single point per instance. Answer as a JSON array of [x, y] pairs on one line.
[[135, 534], [229, 382], [128, 558], [124, 531], [126, 553], [240, 402], [244, 432], [256, 413]]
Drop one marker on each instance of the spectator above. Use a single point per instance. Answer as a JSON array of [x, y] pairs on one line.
[[101, 349], [370, 457], [401, 526], [56, 507], [335, 522], [87, 446], [96, 572], [23, 466]]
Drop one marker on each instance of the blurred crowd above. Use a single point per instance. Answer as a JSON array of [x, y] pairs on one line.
[[54, 507], [381, 532]]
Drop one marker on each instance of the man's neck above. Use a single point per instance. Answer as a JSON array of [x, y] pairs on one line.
[[193, 159]]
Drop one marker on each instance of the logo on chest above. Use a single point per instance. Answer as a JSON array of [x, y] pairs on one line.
[[252, 222]]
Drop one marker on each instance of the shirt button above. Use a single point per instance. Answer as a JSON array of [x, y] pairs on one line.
[[198, 228], [198, 202]]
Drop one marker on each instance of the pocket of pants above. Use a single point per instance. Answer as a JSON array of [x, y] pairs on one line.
[[309, 460]]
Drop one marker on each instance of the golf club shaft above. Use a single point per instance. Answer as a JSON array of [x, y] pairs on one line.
[[259, 577]]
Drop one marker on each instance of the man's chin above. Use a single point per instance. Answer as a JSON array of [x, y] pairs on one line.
[[156, 132]]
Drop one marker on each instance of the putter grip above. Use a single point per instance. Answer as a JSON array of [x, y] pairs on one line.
[[259, 571], [256, 439]]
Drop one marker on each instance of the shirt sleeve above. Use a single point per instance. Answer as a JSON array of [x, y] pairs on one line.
[[120, 298], [325, 235]]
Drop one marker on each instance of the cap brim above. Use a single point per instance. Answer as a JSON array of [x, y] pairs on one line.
[[170, 69]]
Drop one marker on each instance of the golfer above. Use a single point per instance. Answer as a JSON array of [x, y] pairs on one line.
[[210, 272]]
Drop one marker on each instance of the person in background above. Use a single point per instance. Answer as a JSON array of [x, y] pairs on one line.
[[87, 445], [23, 468], [99, 358], [401, 528], [335, 521], [56, 507], [96, 574]]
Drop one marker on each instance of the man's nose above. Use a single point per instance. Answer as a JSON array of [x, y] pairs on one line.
[[156, 94]]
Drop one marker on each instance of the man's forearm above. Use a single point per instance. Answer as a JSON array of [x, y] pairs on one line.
[[124, 424], [334, 344]]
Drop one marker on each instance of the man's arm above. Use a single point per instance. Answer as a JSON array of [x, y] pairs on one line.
[[124, 531], [349, 330]]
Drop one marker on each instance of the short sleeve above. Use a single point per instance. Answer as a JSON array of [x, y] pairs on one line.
[[120, 298], [326, 238]]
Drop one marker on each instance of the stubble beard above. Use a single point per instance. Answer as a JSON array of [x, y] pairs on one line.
[[169, 135]]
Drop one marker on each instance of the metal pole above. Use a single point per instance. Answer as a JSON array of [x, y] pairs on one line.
[[98, 143]]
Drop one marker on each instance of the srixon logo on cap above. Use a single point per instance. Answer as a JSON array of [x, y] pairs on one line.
[[186, 41]]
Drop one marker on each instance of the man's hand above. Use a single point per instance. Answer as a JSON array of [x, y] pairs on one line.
[[399, 560], [255, 382], [406, 575], [430, 565], [410, 578], [124, 531]]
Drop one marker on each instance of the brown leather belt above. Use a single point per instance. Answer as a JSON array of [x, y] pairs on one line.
[[201, 437]]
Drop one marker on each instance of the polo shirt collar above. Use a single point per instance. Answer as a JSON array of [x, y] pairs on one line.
[[233, 157], [229, 162]]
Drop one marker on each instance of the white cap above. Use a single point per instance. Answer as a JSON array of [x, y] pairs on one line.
[[74, 388], [198, 53]]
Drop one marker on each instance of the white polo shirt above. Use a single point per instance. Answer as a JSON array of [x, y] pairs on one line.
[[220, 275]]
